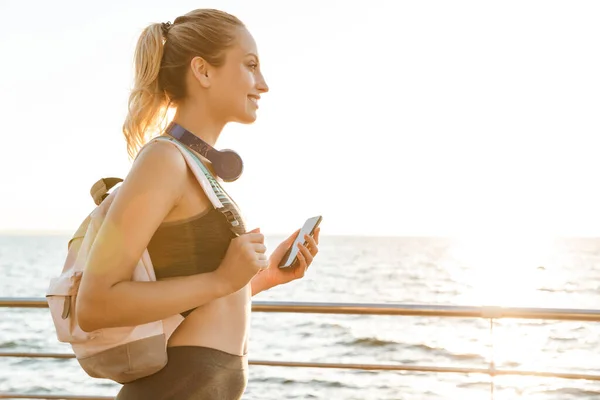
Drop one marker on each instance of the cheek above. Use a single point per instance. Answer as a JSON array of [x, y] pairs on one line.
[[233, 88], [251, 79], [246, 78]]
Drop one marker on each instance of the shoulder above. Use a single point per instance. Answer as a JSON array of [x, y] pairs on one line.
[[161, 152], [160, 155], [159, 164]]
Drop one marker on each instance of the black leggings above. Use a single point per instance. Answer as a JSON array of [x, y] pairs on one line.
[[192, 373]]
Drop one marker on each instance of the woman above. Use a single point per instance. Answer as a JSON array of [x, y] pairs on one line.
[[206, 66]]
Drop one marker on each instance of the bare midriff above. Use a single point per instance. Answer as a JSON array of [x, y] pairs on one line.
[[222, 324]]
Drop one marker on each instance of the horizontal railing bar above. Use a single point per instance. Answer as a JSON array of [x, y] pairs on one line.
[[427, 368], [423, 310], [368, 367], [52, 396], [427, 310], [17, 354]]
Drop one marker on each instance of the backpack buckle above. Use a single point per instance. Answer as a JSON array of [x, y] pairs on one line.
[[230, 218], [99, 190]]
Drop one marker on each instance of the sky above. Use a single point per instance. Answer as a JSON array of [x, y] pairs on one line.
[[413, 118]]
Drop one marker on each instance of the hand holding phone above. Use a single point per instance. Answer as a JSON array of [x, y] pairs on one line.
[[289, 258]]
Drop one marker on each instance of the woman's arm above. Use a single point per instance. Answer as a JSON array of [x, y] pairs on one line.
[[259, 283], [107, 296]]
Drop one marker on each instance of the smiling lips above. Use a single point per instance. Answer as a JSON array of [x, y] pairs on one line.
[[254, 99]]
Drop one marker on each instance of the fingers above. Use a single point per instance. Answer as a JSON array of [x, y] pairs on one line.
[[262, 260], [292, 237], [305, 253], [259, 248], [312, 244], [302, 266], [317, 234], [263, 264], [255, 237]]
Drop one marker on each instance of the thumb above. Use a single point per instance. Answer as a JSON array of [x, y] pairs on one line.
[[285, 245], [292, 237], [255, 230]]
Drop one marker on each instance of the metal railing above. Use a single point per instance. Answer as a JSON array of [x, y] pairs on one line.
[[423, 310]]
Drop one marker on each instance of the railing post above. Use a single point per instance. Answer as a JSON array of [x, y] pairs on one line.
[[492, 360], [491, 312]]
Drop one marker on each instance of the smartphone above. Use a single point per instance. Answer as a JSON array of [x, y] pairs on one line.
[[289, 259]]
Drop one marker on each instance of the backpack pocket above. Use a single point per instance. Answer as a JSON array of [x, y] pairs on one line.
[[61, 297]]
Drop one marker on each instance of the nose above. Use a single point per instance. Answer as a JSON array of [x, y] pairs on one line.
[[261, 84]]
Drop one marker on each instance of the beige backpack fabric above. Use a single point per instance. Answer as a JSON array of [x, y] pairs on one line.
[[122, 354]]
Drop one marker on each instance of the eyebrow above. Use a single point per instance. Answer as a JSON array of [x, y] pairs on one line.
[[252, 54]]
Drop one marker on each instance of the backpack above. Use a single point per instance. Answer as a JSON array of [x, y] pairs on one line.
[[122, 354]]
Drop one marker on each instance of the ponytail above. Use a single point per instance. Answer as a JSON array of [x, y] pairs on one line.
[[147, 102], [161, 67]]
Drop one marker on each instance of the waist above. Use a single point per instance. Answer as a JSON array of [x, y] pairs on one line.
[[222, 324]]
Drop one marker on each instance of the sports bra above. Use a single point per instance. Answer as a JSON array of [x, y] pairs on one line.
[[198, 244]]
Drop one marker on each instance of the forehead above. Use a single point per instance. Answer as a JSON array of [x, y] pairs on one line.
[[245, 43]]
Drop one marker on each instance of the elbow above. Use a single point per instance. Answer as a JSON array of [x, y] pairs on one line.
[[86, 325], [87, 314]]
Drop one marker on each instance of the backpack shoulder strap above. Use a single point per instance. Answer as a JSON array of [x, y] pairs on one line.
[[99, 192], [211, 187], [200, 171]]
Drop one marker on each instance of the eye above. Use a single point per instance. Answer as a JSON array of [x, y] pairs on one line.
[[252, 66]]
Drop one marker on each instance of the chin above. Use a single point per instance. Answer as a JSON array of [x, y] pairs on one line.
[[247, 118]]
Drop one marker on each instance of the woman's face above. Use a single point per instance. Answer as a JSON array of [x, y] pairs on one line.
[[236, 86]]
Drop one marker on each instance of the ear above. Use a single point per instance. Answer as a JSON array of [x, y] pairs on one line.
[[200, 69]]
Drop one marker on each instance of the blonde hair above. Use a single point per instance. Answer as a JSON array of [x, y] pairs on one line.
[[162, 57]]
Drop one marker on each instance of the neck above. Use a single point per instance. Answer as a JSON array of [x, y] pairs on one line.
[[197, 119]]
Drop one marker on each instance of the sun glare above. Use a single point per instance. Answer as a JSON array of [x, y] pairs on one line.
[[502, 270], [509, 270]]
